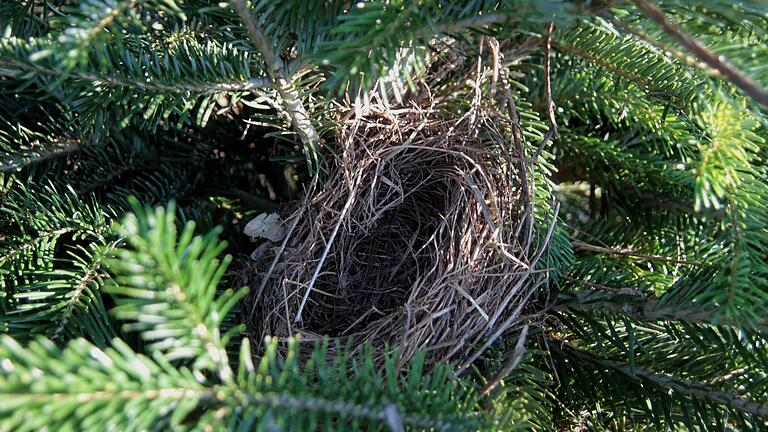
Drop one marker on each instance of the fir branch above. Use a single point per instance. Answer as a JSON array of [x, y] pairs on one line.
[[24, 143], [735, 76], [265, 48], [105, 21], [91, 274], [44, 294], [18, 249], [96, 79], [682, 386], [685, 353], [84, 383], [291, 100], [641, 81], [639, 34], [726, 153], [627, 59], [221, 396], [165, 288], [56, 149], [475, 22], [308, 404], [85, 24], [123, 82], [637, 306]]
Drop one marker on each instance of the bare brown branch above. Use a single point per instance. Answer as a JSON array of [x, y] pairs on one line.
[[583, 246], [719, 63]]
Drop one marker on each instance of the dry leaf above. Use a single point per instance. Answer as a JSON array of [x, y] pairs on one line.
[[265, 225]]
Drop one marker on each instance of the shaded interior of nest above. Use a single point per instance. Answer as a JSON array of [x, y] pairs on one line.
[[417, 240]]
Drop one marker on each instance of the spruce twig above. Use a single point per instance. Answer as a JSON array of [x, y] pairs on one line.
[[209, 88], [683, 386], [735, 76], [291, 99]]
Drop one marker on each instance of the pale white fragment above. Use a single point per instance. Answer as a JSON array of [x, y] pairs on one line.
[[265, 225]]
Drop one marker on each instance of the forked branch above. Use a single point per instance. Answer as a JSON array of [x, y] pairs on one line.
[[289, 94]]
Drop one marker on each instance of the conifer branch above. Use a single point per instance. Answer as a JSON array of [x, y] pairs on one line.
[[291, 99], [14, 164], [643, 309], [20, 248], [683, 386], [92, 274], [82, 375], [194, 330], [719, 63], [688, 59], [208, 88], [303, 404], [474, 22], [105, 21], [640, 81], [224, 397]]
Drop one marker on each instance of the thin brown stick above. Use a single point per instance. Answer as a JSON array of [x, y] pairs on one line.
[[510, 365], [288, 234], [493, 44], [580, 245], [328, 245], [517, 138], [548, 78], [735, 76]]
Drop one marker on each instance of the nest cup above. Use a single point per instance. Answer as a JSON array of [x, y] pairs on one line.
[[418, 240]]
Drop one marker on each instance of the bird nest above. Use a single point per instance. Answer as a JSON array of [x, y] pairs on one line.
[[419, 239]]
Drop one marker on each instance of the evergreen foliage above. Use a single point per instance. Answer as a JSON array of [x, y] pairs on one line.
[[120, 311], [165, 288]]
